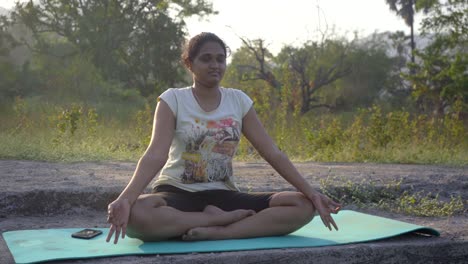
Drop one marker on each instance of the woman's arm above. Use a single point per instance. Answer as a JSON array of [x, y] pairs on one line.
[[257, 135], [155, 155], [148, 166]]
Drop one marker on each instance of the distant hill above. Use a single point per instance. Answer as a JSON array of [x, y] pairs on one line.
[[421, 41]]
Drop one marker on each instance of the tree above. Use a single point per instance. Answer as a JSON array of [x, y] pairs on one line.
[[406, 9], [441, 78], [7, 42], [251, 69], [8, 73], [372, 73], [307, 69], [133, 42], [262, 71], [316, 66], [400, 89]]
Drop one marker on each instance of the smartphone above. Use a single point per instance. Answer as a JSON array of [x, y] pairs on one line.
[[86, 233]]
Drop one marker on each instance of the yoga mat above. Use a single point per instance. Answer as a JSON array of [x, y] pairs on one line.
[[32, 246]]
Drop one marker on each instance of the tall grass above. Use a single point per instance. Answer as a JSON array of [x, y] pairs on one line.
[[369, 136], [36, 130]]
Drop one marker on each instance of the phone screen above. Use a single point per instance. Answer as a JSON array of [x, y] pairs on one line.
[[86, 233]]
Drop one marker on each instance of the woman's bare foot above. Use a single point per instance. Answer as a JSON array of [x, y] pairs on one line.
[[204, 233], [222, 217], [225, 218]]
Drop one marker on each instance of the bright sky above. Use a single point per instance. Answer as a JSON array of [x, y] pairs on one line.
[[295, 21], [281, 22]]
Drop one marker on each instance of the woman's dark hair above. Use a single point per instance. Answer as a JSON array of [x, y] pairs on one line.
[[192, 48]]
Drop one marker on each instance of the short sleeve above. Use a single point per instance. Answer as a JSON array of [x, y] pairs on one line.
[[245, 102], [170, 98]]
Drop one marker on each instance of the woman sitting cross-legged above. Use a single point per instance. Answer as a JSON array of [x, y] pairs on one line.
[[195, 135]]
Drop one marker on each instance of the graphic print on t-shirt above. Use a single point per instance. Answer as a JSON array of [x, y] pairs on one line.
[[209, 151]]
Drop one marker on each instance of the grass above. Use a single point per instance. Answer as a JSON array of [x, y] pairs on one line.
[[390, 197], [369, 136], [111, 144], [31, 129]]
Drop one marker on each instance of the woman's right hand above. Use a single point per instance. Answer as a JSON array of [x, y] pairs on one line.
[[325, 207], [118, 215]]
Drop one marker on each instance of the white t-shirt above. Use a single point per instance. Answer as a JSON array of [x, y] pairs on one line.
[[200, 157]]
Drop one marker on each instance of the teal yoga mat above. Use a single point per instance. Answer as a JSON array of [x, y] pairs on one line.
[[31, 246]]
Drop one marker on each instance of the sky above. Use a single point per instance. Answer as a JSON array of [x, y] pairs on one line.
[[292, 22]]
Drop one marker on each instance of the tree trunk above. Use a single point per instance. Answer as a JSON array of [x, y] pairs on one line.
[[413, 46]]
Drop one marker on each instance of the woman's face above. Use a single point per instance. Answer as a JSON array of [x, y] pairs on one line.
[[209, 65]]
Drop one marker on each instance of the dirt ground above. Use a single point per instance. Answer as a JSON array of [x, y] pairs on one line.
[[35, 195], [21, 177]]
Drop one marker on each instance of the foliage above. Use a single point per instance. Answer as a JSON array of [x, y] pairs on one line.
[[372, 74], [360, 193], [389, 197], [65, 80], [425, 204], [8, 73], [9, 77], [302, 71], [316, 65], [21, 114], [372, 135], [72, 118], [144, 124], [36, 129], [117, 36], [440, 79], [105, 61], [7, 42], [333, 75], [407, 9], [241, 73]]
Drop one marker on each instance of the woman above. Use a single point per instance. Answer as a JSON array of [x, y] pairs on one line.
[[195, 134]]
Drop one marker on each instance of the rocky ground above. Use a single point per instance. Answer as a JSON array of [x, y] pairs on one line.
[[45, 195]]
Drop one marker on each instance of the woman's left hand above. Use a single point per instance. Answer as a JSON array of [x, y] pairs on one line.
[[325, 207]]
